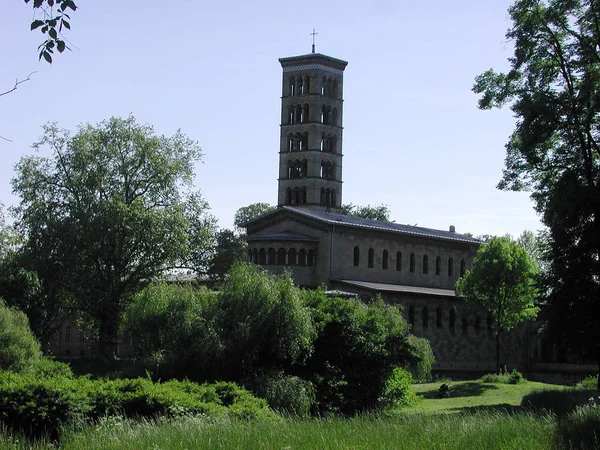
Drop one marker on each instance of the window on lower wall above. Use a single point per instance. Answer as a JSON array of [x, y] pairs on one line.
[[371, 262], [438, 317], [425, 317], [399, 261], [356, 256], [384, 258], [412, 262]]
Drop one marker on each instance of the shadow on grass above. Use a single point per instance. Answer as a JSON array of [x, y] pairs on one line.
[[470, 389], [503, 408]]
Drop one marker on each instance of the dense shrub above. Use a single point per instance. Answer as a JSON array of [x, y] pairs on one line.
[[288, 395], [421, 359], [398, 389], [589, 382], [581, 428], [19, 349], [38, 406], [514, 377], [356, 350]]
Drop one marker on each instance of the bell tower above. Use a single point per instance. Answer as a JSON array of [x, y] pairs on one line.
[[310, 151]]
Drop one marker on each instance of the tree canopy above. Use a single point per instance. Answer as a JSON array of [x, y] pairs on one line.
[[247, 213], [110, 209], [381, 212], [553, 89], [502, 280]]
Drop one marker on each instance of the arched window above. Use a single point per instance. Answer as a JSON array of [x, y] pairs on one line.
[[303, 196], [438, 265], [462, 267], [425, 317], [371, 260], [281, 257], [271, 256], [333, 202], [292, 257], [438, 317], [333, 120], [262, 256], [411, 315], [412, 262], [249, 255], [356, 256], [450, 267], [335, 89], [310, 258], [290, 142], [288, 196], [302, 259], [384, 260], [398, 261], [452, 318], [465, 324], [304, 114], [425, 264], [300, 86], [255, 256], [292, 90]]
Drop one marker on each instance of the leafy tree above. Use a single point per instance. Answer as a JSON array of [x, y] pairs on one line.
[[108, 211], [502, 280], [19, 349], [247, 213], [51, 17], [229, 249], [381, 212], [553, 88]]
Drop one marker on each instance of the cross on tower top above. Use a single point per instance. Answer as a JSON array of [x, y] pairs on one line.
[[313, 34]]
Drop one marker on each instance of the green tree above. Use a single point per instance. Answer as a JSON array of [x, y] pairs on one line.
[[553, 88], [19, 349], [502, 280], [247, 213], [381, 212], [50, 16], [109, 210], [229, 249]]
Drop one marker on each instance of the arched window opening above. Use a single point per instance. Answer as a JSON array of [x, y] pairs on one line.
[[324, 90], [271, 256], [302, 257], [333, 196], [281, 257], [438, 317], [298, 117], [384, 260], [412, 262], [290, 115], [292, 90], [371, 259], [335, 89], [304, 114], [399, 261], [465, 324], [310, 258], [323, 193], [411, 315], [462, 267], [307, 85], [290, 145], [356, 256], [323, 141], [288, 196], [438, 265], [327, 170], [300, 86], [452, 318], [249, 255], [333, 120], [425, 264], [303, 196], [262, 257], [450, 267], [425, 317], [255, 256]]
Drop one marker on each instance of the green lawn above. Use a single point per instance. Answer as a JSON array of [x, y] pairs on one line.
[[468, 395]]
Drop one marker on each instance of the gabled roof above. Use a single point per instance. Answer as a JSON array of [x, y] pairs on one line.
[[355, 222]]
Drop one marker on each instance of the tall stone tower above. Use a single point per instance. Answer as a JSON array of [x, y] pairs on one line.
[[310, 156]]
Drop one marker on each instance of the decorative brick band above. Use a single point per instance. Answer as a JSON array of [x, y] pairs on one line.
[[312, 67]]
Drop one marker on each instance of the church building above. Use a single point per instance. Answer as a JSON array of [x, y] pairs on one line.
[[411, 266]]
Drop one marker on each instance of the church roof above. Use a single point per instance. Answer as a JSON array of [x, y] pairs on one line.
[[399, 288], [350, 221]]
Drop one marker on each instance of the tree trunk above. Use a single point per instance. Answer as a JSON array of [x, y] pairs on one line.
[[109, 332], [598, 360], [498, 352]]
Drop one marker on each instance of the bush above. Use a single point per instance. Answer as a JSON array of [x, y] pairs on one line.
[[288, 395], [515, 377], [581, 428], [560, 402], [398, 389], [421, 358], [19, 348], [589, 382]]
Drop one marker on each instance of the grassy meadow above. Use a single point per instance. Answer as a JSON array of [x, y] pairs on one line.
[[477, 415]]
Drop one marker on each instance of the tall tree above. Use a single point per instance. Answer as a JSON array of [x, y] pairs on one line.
[[502, 280], [553, 88], [247, 213], [381, 212], [109, 210], [229, 249]]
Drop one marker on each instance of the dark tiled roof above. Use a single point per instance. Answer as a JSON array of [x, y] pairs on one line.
[[389, 287], [350, 221], [283, 236]]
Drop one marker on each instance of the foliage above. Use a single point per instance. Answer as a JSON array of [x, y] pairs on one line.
[[229, 249], [502, 280], [581, 428], [19, 349], [514, 377], [589, 382], [51, 16], [421, 358], [38, 406], [559, 401], [356, 350], [108, 211], [553, 88], [381, 212], [398, 389], [248, 213], [288, 395]]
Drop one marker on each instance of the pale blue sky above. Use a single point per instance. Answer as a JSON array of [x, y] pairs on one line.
[[413, 136]]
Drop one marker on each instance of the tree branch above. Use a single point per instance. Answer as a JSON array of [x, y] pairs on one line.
[[17, 83]]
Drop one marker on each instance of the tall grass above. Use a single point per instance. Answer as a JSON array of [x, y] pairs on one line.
[[481, 430]]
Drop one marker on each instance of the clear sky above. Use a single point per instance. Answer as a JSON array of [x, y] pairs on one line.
[[413, 136]]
